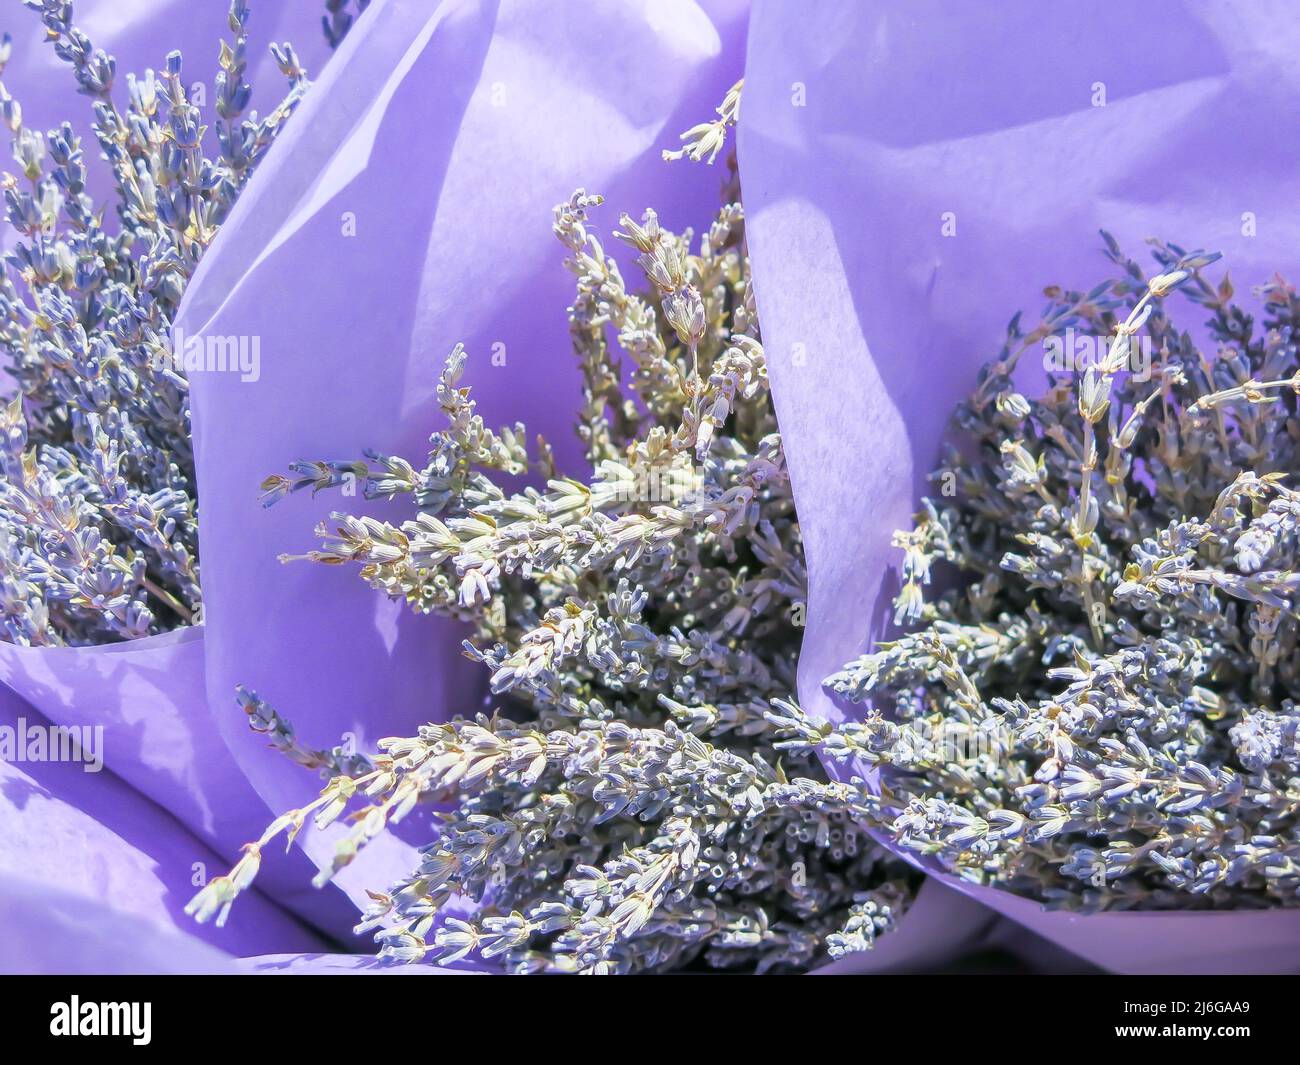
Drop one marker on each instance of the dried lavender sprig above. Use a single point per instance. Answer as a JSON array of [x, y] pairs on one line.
[[338, 761]]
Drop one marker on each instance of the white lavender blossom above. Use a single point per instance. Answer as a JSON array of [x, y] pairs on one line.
[[705, 141]]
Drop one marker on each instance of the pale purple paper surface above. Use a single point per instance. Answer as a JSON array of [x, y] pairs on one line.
[[89, 835], [875, 324], [49, 932], [161, 739]]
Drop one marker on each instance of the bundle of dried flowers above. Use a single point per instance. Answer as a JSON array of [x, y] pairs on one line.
[[98, 533], [1100, 710], [627, 807]]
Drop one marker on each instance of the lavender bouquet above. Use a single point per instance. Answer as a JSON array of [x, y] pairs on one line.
[[97, 499], [1101, 714], [626, 808]]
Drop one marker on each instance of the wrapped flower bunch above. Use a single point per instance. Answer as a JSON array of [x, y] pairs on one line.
[[98, 507], [626, 804]]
